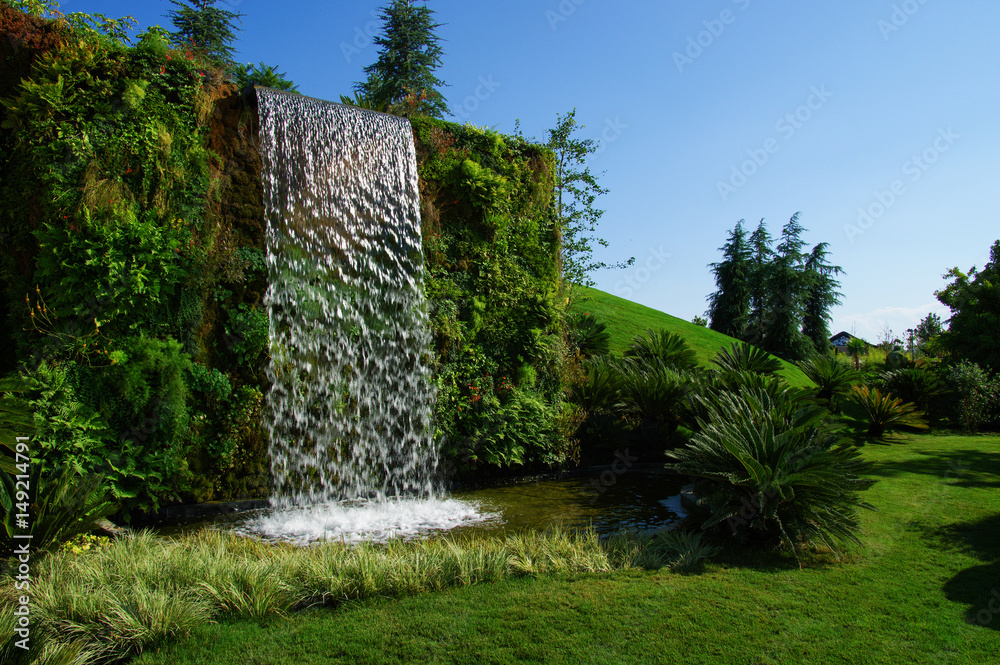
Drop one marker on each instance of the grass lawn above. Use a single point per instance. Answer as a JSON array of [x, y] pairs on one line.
[[626, 319], [919, 592]]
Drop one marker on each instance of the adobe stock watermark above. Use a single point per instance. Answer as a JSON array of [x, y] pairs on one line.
[[607, 478], [901, 14], [562, 12], [613, 129], [913, 170], [714, 28], [364, 36], [786, 127], [637, 277], [487, 86]]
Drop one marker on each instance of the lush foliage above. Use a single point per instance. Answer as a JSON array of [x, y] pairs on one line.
[[777, 298], [975, 396], [589, 336], [576, 192], [875, 413], [133, 593], [833, 380], [729, 305], [492, 279], [203, 26], [129, 295], [661, 348], [60, 508], [776, 472], [261, 74], [740, 357], [402, 79], [974, 300]]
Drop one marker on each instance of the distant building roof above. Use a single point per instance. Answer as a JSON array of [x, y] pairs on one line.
[[843, 337]]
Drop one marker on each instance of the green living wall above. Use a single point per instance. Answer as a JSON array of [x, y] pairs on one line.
[[133, 272]]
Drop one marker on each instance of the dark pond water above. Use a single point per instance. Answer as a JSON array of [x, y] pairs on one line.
[[635, 501]]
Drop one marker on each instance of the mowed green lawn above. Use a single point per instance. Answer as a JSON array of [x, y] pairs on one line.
[[919, 592], [626, 319]]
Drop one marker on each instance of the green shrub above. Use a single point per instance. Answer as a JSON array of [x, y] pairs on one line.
[[684, 550], [60, 506], [661, 348], [590, 337], [776, 473], [16, 419], [875, 413], [975, 396], [656, 394], [741, 357], [833, 380], [919, 385], [600, 391]]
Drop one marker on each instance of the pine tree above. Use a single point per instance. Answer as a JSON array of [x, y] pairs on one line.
[[820, 296], [786, 285], [205, 27], [402, 78], [729, 306], [761, 255]]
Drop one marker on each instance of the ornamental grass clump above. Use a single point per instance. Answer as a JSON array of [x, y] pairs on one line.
[[776, 473], [112, 603]]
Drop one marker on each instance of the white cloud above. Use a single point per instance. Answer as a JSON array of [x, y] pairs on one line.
[[870, 325]]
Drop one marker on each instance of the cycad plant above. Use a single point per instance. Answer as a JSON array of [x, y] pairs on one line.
[[657, 394], [600, 391], [876, 413], [742, 357], [661, 347], [776, 473], [919, 385], [833, 380], [591, 337]]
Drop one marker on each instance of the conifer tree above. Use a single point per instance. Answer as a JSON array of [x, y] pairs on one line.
[[205, 27], [761, 255], [729, 306], [820, 296], [402, 79], [786, 285]]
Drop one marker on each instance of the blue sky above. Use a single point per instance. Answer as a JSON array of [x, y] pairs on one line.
[[877, 119]]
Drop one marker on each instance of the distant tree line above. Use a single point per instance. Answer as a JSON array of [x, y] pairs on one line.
[[775, 297]]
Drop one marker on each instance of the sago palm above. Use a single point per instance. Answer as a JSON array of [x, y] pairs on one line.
[[876, 413], [778, 475]]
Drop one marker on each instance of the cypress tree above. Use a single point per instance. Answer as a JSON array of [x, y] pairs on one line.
[[761, 255], [729, 306], [786, 285], [820, 296], [402, 79]]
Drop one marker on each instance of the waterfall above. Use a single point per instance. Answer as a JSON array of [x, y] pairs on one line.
[[349, 409]]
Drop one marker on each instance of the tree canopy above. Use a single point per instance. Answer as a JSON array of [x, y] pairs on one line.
[[205, 27], [974, 300], [402, 79], [577, 190]]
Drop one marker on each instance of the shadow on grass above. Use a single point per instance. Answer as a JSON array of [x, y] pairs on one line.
[[978, 587], [959, 467]]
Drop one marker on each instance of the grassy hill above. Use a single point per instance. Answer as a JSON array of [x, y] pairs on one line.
[[627, 319]]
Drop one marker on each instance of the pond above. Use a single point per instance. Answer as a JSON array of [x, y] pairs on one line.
[[641, 501]]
